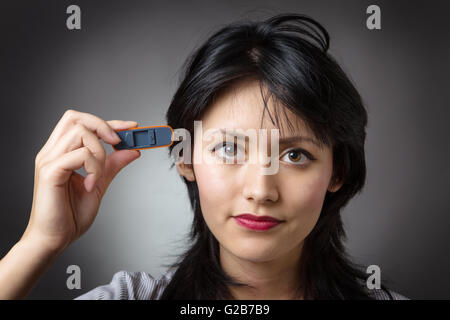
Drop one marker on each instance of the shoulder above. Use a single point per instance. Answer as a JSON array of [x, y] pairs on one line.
[[387, 294], [130, 286]]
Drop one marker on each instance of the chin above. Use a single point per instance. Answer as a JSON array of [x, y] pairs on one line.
[[255, 253], [256, 258]]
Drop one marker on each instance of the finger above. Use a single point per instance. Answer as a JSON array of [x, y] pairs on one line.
[[115, 162], [121, 124], [58, 171], [97, 125], [78, 136]]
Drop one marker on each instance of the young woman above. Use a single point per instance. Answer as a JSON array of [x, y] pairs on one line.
[[279, 66]]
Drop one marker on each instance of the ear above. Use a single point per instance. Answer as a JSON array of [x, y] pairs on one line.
[[335, 185], [186, 170]]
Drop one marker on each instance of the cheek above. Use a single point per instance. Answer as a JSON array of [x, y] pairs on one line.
[[215, 187], [305, 198]]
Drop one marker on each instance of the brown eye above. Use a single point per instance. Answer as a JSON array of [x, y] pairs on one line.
[[295, 157]]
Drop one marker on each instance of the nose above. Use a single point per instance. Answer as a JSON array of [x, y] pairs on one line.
[[258, 187]]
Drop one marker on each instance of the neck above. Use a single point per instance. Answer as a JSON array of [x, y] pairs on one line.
[[275, 279]]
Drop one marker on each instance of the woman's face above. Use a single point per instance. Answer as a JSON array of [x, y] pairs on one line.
[[294, 194]]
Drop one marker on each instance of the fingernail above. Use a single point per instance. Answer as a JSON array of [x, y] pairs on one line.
[[115, 136]]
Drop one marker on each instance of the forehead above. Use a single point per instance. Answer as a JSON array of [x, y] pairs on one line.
[[242, 107]]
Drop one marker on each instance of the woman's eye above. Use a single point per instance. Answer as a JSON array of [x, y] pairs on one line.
[[226, 149], [295, 156], [298, 157]]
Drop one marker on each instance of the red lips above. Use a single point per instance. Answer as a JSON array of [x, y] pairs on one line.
[[253, 222], [257, 218]]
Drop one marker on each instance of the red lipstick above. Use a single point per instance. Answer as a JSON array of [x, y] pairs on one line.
[[253, 222]]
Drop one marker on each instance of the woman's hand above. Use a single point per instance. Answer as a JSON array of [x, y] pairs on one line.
[[64, 203]]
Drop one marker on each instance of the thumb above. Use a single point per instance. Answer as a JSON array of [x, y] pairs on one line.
[[114, 163]]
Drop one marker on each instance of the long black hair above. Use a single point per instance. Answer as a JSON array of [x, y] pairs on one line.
[[286, 54]]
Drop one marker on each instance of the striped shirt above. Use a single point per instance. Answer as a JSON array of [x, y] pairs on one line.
[[142, 286]]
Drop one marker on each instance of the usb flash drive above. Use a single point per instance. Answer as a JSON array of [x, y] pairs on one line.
[[144, 138]]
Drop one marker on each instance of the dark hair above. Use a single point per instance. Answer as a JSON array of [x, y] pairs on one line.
[[287, 54]]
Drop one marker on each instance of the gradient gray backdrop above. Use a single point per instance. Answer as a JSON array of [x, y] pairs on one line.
[[124, 64]]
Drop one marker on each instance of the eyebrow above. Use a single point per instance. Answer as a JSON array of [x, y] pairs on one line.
[[282, 141], [298, 139]]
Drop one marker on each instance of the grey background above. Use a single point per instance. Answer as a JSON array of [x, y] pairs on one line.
[[124, 64]]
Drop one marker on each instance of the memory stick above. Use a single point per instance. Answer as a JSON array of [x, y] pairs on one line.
[[144, 138]]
